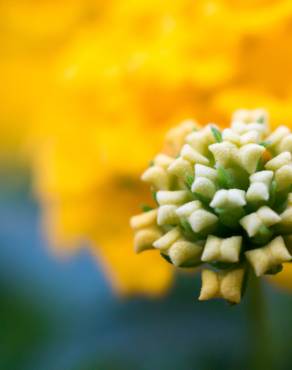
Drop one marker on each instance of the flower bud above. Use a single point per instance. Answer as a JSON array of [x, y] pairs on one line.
[[286, 144], [273, 254], [259, 186], [257, 192], [265, 216], [264, 177], [250, 137], [181, 168], [202, 220], [285, 224], [144, 220], [207, 172], [184, 251], [223, 250], [176, 136], [231, 136], [279, 161], [187, 209], [157, 176], [145, 238], [216, 186], [248, 116], [192, 155], [167, 239], [172, 197], [163, 160], [283, 177], [204, 186], [200, 140], [228, 198], [226, 285], [275, 138], [226, 154], [167, 215], [249, 156]]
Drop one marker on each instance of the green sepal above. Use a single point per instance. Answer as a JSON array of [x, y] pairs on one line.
[[188, 232], [217, 134], [225, 179], [202, 199], [273, 191], [188, 264], [230, 217], [263, 236], [261, 119], [222, 265], [274, 270], [265, 144], [189, 181], [146, 208], [154, 196], [260, 165]]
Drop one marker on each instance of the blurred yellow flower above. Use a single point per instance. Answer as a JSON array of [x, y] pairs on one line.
[[92, 86]]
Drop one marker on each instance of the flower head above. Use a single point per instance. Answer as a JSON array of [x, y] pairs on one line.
[[224, 200]]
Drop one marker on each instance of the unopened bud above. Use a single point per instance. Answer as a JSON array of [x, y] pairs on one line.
[[265, 216], [145, 238], [157, 176], [273, 254], [226, 154], [181, 168], [176, 197], [202, 220], [167, 239], [184, 251], [283, 177], [167, 215], [144, 220], [204, 186], [279, 161], [226, 285], [228, 199], [249, 156], [192, 155], [223, 250], [187, 209], [163, 160]]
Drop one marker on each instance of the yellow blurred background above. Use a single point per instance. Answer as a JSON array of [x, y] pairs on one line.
[[88, 89]]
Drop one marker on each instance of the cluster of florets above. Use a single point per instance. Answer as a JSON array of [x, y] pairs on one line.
[[223, 201]]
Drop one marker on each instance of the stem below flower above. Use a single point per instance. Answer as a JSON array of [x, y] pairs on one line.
[[261, 351]]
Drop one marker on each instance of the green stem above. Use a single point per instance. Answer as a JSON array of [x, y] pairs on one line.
[[261, 354]]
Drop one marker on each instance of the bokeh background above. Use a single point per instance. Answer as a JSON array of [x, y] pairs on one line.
[[88, 90]]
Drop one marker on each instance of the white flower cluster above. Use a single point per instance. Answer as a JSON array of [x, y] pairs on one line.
[[223, 199]]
